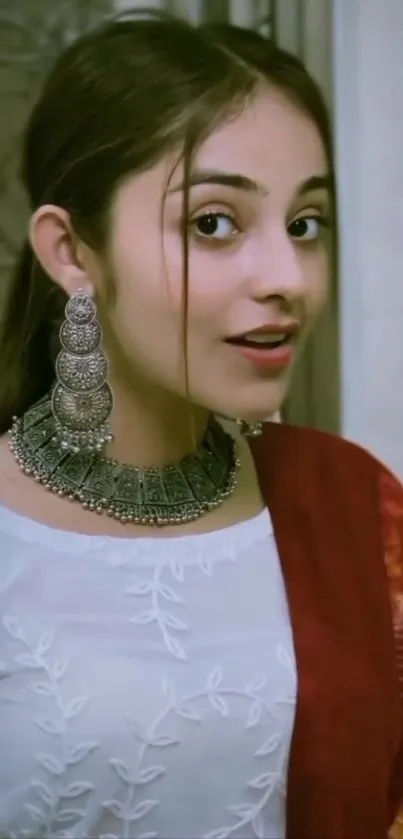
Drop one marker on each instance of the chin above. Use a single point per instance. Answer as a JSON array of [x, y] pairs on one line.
[[254, 406], [267, 413], [260, 416]]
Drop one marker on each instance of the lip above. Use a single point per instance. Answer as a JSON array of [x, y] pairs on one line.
[[291, 327], [273, 360]]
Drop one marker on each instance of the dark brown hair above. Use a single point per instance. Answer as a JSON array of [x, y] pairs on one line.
[[118, 99]]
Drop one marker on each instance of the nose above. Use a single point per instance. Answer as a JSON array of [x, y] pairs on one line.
[[278, 271]]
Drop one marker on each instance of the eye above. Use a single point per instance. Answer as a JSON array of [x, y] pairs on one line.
[[307, 229], [214, 226]]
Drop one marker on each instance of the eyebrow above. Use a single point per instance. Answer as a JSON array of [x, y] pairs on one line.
[[215, 176], [316, 182], [235, 181]]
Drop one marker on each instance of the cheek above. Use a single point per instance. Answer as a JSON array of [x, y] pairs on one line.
[[316, 269], [213, 284], [149, 278], [144, 313]]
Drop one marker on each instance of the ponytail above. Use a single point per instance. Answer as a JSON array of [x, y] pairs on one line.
[[27, 329]]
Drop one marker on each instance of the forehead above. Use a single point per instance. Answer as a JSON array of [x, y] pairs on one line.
[[270, 141]]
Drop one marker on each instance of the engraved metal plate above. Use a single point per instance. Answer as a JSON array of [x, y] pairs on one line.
[[79, 412]]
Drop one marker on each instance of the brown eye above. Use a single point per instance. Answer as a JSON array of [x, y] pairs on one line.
[[308, 229], [214, 226]]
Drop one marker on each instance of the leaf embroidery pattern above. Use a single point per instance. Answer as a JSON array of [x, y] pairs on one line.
[[158, 590], [136, 805], [56, 798]]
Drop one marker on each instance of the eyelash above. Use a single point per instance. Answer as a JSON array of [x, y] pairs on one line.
[[215, 216], [322, 221]]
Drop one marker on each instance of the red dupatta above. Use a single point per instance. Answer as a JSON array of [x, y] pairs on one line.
[[338, 521]]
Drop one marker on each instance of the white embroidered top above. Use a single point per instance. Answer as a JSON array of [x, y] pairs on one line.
[[147, 686]]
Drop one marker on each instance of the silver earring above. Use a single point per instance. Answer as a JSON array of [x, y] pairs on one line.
[[81, 400], [250, 429]]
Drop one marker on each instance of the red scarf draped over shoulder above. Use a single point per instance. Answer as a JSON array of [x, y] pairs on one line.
[[338, 522]]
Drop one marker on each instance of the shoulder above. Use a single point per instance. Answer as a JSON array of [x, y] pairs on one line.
[[19, 496], [323, 448], [11, 478], [10, 474], [314, 438], [320, 465]]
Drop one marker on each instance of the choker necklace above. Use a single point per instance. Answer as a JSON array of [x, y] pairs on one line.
[[175, 494]]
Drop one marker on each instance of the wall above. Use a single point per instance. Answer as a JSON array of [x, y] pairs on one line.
[[32, 34], [368, 73], [305, 28]]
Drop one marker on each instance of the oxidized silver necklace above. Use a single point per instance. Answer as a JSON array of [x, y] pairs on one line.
[[175, 494]]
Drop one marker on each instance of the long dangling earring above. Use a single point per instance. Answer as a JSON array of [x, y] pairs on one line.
[[81, 400], [250, 429]]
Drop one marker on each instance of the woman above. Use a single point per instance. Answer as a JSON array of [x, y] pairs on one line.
[[197, 635]]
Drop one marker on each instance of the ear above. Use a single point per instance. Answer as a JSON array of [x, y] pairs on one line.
[[57, 249]]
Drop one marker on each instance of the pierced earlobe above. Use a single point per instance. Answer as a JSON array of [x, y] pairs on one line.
[[250, 429]]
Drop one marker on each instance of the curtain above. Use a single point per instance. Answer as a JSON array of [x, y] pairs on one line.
[[257, 14]]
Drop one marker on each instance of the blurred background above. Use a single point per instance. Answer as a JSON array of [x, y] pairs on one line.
[[350, 379]]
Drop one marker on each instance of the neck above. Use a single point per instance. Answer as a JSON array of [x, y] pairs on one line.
[[153, 430]]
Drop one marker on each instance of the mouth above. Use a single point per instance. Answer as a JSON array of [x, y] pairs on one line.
[[271, 347], [261, 342]]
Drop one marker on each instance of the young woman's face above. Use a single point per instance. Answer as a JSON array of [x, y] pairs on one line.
[[259, 205]]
